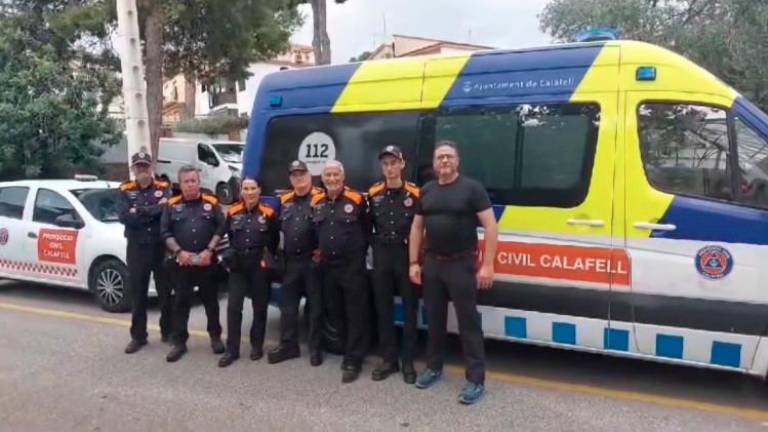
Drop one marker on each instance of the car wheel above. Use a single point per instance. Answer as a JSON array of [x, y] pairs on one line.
[[109, 283], [224, 193]]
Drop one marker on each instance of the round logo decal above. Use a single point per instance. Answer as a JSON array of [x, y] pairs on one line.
[[348, 208], [315, 150], [262, 220], [158, 194], [207, 207], [408, 202], [3, 236], [714, 262]]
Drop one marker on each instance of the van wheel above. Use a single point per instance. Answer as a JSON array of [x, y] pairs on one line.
[[109, 283], [224, 193]]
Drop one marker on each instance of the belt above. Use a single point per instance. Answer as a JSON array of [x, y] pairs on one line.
[[452, 257]]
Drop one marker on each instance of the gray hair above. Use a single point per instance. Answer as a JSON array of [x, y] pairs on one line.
[[334, 164], [186, 169]]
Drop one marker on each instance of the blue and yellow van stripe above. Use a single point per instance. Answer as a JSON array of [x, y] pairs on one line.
[[589, 73]]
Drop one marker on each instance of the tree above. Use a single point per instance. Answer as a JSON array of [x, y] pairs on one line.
[[728, 37], [365, 55], [52, 121], [208, 40], [321, 43]]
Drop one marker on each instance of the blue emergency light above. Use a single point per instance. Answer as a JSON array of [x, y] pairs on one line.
[[275, 101], [599, 34], [645, 73]]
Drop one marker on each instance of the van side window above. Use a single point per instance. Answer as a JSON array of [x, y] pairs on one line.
[[206, 155], [12, 200], [534, 155], [354, 139], [685, 149], [753, 164]]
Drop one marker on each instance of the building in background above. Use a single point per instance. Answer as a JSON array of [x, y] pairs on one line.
[[413, 46]]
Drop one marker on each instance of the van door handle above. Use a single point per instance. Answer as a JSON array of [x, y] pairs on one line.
[[654, 227], [31, 235], [587, 222]]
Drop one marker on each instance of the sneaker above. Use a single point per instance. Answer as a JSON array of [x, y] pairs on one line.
[[427, 378], [471, 393]]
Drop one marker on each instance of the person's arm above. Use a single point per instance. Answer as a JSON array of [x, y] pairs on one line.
[[127, 213], [414, 248], [166, 233], [221, 228], [485, 274], [156, 211], [274, 234]]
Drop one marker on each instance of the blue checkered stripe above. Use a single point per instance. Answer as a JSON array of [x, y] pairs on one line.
[[667, 344]]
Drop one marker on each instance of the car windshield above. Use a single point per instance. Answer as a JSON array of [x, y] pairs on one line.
[[232, 153], [103, 204]]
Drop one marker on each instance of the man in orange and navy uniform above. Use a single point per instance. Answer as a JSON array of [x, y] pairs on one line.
[[192, 225], [393, 204], [141, 206], [341, 218], [252, 227], [300, 279]]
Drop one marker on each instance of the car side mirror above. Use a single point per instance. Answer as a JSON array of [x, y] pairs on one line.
[[68, 221]]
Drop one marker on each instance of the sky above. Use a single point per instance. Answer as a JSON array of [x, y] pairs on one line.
[[359, 25]]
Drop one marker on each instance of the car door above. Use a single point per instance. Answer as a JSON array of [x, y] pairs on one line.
[[698, 245], [53, 238], [14, 261]]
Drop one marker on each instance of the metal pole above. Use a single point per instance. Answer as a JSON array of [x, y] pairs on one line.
[[134, 85]]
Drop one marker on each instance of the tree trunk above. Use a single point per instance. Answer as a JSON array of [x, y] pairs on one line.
[[153, 69], [190, 94], [320, 41]]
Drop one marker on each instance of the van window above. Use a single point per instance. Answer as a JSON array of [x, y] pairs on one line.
[[12, 200], [535, 155], [356, 140], [206, 155], [753, 164], [685, 149]]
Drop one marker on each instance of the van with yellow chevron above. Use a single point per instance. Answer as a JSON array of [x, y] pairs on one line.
[[629, 184]]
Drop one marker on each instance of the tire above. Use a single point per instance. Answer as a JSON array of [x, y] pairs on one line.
[[109, 283], [224, 193]]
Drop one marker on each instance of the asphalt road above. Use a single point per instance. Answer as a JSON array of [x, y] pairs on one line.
[[62, 368]]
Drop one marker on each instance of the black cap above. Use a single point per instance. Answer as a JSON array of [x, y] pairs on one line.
[[391, 150], [141, 157], [297, 165]]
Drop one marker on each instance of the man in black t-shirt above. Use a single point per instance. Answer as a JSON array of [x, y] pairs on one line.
[[448, 215]]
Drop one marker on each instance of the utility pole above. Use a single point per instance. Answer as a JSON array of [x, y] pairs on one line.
[[134, 85]]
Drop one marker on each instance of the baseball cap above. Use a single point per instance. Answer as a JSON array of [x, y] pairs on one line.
[[297, 165], [141, 157], [391, 150]]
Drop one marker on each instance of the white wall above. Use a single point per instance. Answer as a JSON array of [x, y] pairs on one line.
[[258, 72]]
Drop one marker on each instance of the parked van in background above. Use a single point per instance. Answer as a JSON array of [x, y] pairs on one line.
[[220, 164]]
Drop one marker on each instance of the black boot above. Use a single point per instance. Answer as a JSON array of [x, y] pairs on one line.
[[257, 353], [227, 359], [350, 373], [217, 345], [316, 358], [134, 345], [282, 353], [176, 353], [383, 371], [409, 373]]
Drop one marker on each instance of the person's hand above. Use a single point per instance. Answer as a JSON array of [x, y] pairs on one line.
[[485, 277], [414, 272], [316, 256], [205, 257], [184, 258], [132, 210]]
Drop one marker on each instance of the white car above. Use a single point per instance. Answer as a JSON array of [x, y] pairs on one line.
[[65, 232], [220, 164]]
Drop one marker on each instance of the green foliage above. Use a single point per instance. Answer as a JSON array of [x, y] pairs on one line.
[[51, 118], [212, 126], [728, 37], [365, 55]]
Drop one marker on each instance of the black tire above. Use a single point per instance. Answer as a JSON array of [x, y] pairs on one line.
[[224, 193], [109, 283]]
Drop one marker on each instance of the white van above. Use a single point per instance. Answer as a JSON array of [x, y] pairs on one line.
[[220, 164]]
